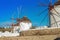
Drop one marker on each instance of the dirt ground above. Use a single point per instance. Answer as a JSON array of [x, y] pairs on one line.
[[44, 37]]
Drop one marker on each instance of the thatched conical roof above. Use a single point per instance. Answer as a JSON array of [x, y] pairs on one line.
[[57, 3], [25, 19]]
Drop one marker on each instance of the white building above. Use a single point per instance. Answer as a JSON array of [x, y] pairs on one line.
[[22, 25], [55, 17]]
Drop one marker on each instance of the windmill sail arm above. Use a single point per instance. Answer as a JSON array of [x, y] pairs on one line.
[[50, 1], [42, 12], [43, 18], [54, 20], [56, 15], [42, 4], [56, 12]]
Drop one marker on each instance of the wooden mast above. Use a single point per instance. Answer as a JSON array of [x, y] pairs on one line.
[[17, 19]]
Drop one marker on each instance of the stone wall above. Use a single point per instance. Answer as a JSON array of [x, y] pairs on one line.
[[40, 32]]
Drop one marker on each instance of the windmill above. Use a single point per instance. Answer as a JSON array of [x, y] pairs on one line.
[[18, 18], [16, 25], [54, 15]]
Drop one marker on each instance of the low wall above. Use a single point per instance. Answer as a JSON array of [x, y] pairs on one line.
[[40, 32]]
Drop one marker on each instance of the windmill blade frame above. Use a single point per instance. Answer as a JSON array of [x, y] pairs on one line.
[[42, 4], [42, 12], [56, 12], [54, 19], [56, 15], [44, 18]]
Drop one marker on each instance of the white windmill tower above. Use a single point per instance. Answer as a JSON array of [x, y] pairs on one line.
[[54, 13], [22, 24]]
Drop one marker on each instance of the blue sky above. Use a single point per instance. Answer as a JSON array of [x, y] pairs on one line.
[[30, 9]]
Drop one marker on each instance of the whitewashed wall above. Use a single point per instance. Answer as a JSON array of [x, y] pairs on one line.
[[53, 24], [25, 26], [16, 29], [8, 34]]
